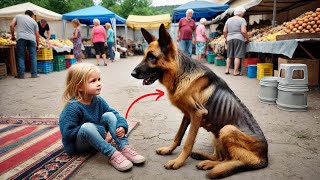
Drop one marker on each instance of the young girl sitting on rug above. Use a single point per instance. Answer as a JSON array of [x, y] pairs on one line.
[[86, 118]]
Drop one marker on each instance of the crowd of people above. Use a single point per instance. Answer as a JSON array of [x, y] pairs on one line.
[[235, 34], [28, 32]]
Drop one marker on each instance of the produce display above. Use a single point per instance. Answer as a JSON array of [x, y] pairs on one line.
[[308, 22], [6, 42], [43, 43], [87, 42], [5, 39], [267, 34]]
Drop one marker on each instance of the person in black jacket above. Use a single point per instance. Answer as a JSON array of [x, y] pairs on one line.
[[44, 27]]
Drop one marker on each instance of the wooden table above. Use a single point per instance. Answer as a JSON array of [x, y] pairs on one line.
[[11, 63]]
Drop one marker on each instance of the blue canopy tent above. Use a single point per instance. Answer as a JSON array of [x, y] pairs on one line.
[[201, 9], [87, 15]]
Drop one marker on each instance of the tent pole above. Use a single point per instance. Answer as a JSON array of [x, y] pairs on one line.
[[64, 29], [126, 29], [87, 31], [274, 22]]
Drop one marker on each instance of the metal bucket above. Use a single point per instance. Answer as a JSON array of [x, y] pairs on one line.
[[292, 97], [268, 90]]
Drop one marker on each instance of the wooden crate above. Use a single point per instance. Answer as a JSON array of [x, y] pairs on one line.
[[3, 70], [312, 65], [297, 36]]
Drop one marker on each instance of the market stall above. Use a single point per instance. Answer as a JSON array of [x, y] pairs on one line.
[[201, 9], [293, 40], [147, 22], [7, 47], [86, 16]]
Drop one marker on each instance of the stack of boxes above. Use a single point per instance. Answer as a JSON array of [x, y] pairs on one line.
[[69, 60], [59, 63], [44, 61], [246, 62]]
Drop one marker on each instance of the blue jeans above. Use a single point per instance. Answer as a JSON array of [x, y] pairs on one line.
[[110, 51], [88, 136], [22, 44], [186, 46]]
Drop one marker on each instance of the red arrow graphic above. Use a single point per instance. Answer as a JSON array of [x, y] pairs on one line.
[[159, 93]]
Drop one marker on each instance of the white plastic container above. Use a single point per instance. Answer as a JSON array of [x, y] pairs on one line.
[[116, 55]]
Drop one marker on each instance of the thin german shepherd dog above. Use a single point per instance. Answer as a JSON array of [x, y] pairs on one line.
[[206, 101]]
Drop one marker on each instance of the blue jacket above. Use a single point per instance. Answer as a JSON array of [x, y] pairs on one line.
[[75, 114]]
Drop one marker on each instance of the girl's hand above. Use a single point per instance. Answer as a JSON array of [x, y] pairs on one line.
[[120, 132]]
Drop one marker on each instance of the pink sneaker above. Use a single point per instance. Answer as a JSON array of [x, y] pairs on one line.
[[132, 155], [120, 162]]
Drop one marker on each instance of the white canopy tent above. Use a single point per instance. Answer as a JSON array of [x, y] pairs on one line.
[[39, 12], [8, 13]]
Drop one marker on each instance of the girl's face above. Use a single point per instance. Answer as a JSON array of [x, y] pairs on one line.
[[93, 85], [74, 25]]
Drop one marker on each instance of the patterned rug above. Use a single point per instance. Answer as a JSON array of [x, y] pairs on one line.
[[31, 148]]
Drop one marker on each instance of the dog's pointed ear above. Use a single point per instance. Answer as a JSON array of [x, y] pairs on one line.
[[147, 36], [164, 38]]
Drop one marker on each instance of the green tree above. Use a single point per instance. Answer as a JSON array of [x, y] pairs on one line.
[[136, 7], [108, 3], [79, 4], [58, 6]]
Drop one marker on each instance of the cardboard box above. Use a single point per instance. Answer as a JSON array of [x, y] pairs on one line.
[[312, 65]]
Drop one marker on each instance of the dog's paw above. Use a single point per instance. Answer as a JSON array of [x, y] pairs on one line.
[[164, 150], [206, 165], [173, 164]]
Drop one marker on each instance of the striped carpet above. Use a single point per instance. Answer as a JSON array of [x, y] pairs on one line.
[[31, 148]]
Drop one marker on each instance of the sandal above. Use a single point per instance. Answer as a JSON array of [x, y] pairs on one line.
[[105, 64], [237, 74], [226, 73]]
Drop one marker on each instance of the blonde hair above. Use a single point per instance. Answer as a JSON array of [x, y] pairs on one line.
[[78, 75], [108, 25], [75, 21], [97, 21]]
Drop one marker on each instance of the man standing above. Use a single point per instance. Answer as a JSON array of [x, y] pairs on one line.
[[43, 27], [186, 28], [27, 37]]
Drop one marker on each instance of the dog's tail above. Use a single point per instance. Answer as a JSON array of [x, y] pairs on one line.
[[231, 167]]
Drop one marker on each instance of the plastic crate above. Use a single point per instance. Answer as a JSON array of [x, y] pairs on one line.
[[250, 61], [220, 62], [69, 62], [211, 57], [59, 63], [45, 67], [69, 56], [264, 69], [45, 54]]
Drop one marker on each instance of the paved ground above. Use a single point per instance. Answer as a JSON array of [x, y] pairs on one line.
[[294, 138]]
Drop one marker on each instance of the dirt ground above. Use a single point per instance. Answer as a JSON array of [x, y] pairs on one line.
[[293, 137]]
